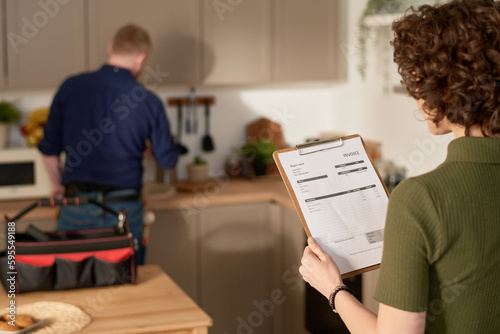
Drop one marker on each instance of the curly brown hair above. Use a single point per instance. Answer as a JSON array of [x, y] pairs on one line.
[[449, 56]]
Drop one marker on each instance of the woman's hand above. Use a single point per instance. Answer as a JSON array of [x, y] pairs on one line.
[[318, 269]]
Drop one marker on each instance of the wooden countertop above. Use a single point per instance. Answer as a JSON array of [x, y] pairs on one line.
[[223, 191], [226, 192], [155, 304]]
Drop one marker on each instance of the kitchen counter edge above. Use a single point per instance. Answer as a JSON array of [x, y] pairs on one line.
[[215, 192]]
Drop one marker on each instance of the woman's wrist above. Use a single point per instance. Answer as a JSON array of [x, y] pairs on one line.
[[335, 291]]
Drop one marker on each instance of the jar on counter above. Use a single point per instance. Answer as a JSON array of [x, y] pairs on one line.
[[235, 165]]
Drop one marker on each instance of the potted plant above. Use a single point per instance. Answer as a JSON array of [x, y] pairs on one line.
[[259, 153], [198, 170], [8, 114]]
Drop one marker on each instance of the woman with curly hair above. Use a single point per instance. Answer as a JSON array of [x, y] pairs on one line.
[[440, 270]]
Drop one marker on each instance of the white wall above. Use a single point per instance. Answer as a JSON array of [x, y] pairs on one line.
[[302, 112], [305, 111], [371, 108]]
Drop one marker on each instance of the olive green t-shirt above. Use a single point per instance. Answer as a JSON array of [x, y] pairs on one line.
[[442, 242]]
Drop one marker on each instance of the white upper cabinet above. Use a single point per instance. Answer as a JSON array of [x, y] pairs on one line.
[[44, 41], [237, 42], [174, 29], [306, 40]]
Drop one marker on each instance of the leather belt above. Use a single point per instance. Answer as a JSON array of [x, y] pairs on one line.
[[73, 190], [122, 198]]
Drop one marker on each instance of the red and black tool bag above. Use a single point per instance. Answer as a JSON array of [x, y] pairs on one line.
[[38, 261]]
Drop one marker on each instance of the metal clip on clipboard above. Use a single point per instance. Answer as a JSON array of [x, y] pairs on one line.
[[319, 145]]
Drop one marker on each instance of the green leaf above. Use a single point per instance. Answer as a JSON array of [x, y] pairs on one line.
[[9, 113]]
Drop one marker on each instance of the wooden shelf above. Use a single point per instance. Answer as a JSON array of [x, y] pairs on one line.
[[184, 101]]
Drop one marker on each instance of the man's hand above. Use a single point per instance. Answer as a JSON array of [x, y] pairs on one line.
[[148, 151], [318, 269], [51, 163], [57, 191]]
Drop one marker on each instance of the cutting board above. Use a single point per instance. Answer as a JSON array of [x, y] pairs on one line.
[[265, 129]]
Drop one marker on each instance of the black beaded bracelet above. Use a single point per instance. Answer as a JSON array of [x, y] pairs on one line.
[[337, 289]]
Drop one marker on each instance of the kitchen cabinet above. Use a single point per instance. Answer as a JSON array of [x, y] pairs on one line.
[[195, 42], [174, 29], [240, 267], [267, 41], [236, 42], [45, 42], [174, 245], [306, 40], [238, 262]]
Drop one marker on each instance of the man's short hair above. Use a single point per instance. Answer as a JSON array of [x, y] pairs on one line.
[[131, 39]]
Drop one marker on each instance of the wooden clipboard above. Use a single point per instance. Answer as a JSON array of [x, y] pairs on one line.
[[309, 148]]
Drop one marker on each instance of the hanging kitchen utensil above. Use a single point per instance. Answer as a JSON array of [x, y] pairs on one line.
[[188, 119], [207, 141], [195, 119], [182, 149], [194, 112]]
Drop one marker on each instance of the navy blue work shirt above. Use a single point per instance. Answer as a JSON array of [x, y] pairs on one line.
[[101, 120]]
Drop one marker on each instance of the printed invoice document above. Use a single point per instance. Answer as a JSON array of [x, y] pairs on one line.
[[340, 199]]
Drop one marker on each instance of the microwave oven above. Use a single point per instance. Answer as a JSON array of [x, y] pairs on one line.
[[23, 174]]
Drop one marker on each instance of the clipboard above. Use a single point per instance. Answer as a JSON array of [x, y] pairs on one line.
[[304, 151]]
